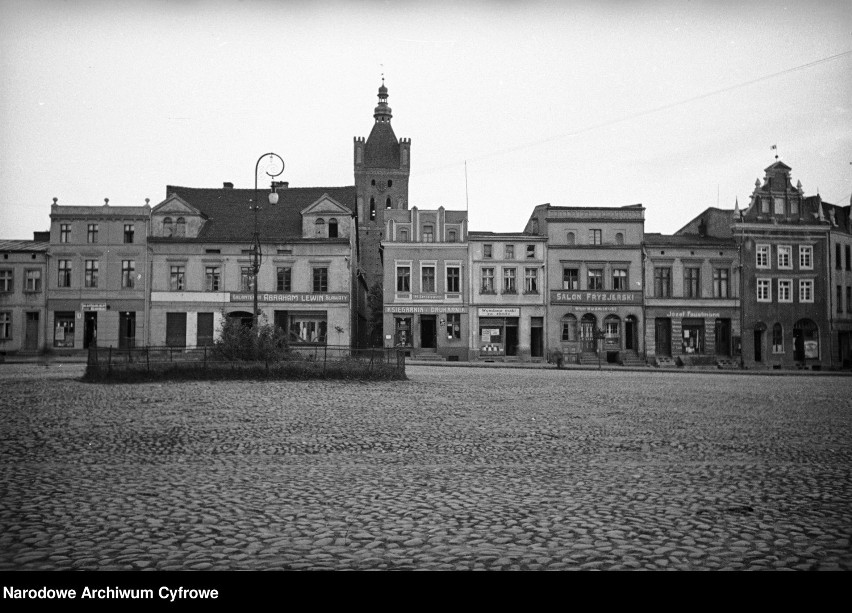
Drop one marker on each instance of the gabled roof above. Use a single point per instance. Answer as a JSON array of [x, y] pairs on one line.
[[175, 205], [229, 217], [23, 245], [779, 165], [325, 205], [687, 240]]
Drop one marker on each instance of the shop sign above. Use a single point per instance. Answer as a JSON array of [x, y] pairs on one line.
[[426, 309], [811, 350], [498, 312], [290, 297], [570, 297], [697, 314], [94, 306]]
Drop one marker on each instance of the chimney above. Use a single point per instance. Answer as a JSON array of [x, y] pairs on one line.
[[280, 184], [42, 237], [227, 185]]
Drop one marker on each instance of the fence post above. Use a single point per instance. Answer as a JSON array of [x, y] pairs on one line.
[[109, 360], [147, 360]]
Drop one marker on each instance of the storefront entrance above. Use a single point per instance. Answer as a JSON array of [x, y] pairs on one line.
[[537, 337], [31, 333], [693, 336], [723, 337], [759, 333], [176, 329], [63, 334], [126, 330], [498, 336], [90, 330], [428, 332], [402, 332], [588, 343], [663, 336], [805, 340], [631, 328]]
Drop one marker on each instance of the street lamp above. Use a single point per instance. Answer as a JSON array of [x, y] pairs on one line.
[[273, 161]]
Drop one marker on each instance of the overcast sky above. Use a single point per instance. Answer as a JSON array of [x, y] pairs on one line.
[[674, 105]]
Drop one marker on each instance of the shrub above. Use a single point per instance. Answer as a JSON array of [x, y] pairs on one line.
[[239, 342]]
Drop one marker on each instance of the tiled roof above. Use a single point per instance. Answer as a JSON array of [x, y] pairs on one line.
[[678, 240], [22, 245], [230, 219], [382, 148]]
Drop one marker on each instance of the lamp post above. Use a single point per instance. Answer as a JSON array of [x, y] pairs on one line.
[[273, 161]]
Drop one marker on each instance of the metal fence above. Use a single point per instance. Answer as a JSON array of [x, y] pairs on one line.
[[155, 358]]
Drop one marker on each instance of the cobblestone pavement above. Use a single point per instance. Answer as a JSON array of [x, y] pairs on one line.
[[454, 469]]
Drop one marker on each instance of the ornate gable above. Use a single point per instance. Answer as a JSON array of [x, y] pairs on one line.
[[174, 217], [326, 218]]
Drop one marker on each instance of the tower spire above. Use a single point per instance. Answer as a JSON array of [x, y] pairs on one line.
[[382, 114]]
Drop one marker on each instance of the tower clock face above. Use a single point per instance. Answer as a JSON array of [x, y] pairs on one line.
[[380, 185]]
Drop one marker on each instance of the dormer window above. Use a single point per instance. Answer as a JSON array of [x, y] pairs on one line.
[[168, 228], [332, 228], [403, 235], [452, 236], [428, 233], [180, 228], [319, 224]]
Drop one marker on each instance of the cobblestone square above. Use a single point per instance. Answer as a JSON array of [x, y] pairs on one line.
[[458, 468]]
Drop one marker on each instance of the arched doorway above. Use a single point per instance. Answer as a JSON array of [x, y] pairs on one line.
[[587, 332], [805, 340], [759, 334], [631, 333]]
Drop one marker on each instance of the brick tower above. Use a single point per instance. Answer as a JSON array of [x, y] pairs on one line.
[[382, 166]]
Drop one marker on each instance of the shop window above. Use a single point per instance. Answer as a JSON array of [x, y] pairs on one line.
[[510, 252], [509, 281], [91, 278], [64, 232], [692, 282], [320, 279], [785, 257], [283, 279], [32, 281], [595, 279], [806, 290], [785, 290], [308, 327], [402, 332], [569, 328], [531, 280], [128, 274], [777, 339], [453, 279], [721, 283], [806, 257], [5, 325], [619, 279], [212, 278], [64, 273], [693, 336], [63, 332], [595, 237], [453, 326], [662, 282], [764, 290], [7, 284], [427, 279], [246, 279], [612, 332], [403, 278], [570, 278], [805, 340], [762, 256], [487, 285]]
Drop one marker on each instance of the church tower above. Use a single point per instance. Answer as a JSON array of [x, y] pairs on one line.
[[382, 166]]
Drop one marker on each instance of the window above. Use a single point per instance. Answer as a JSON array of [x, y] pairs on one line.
[[595, 237], [838, 263], [848, 299], [246, 279], [692, 282], [530, 251], [308, 327], [453, 326], [452, 236], [6, 281], [332, 228], [5, 325], [762, 256], [403, 235], [764, 205], [619, 279], [487, 286], [764, 290], [571, 239], [486, 251], [619, 238], [390, 182], [848, 257], [63, 332], [128, 270], [92, 235], [806, 257], [569, 328], [128, 233], [509, 281], [427, 279], [570, 278], [91, 279], [180, 227], [794, 207], [283, 279], [777, 339], [321, 280], [388, 203], [453, 279], [721, 283], [212, 278], [779, 206], [595, 279], [176, 278], [204, 330], [531, 280], [785, 290], [510, 252], [372, 208], [64, 232], [403, 278], [33, 281], [168, 227], [319, 227], [806, 290], [839, 298], [428, 233], [785, 257], [64, 270]]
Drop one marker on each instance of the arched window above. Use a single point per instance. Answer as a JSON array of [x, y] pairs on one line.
[[452, 236], [180, 229], [168, 228], [619, 238], [390, 183], [403, 235], [373, 182], [569, 328], [372, 208], [319, 224], [777, 339], [387, 203], [805, 340], [612, 329], [571, 238]]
